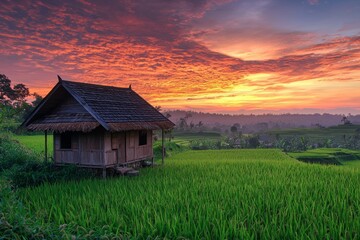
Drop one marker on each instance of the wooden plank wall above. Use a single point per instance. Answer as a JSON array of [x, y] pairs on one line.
[[100, 148], [92, 148], [110, 148], [86, 149], [67, 155], [134, 151]]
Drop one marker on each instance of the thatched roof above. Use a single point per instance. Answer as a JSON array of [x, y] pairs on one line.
[[74, 106]]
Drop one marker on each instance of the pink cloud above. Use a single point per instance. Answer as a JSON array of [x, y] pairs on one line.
[[313, 2]]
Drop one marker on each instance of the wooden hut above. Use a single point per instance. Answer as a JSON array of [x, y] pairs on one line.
[[97, 126]]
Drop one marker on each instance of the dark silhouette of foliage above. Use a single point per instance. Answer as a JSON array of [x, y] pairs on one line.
[[233, 129], [293, 144], [9, 95], [14, 107], [345, 120]]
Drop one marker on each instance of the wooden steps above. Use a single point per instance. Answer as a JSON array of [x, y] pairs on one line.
[[127, 171], [146, 164], [132, 173]]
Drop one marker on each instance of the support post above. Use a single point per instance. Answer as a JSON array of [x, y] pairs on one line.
[[46, 146], [104, 173], [163, 147], [125, 158]]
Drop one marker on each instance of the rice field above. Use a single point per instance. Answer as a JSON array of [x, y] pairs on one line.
[[36, 142], [184, 138], [318, 135], [213, 194], [344, 157]]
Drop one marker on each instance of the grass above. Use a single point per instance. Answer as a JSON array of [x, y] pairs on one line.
[[353, 164], [241, 194], [184, 138], [173, 147], [213, 194], [339, 156], [36, 143]]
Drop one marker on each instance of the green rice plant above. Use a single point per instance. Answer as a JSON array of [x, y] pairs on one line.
[[12, 153], [23, 167], [210, 194], [337, 156], [205, 144], [14, 223], [36, 143]]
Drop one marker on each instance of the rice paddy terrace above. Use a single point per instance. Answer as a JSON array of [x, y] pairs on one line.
[[213, 194]]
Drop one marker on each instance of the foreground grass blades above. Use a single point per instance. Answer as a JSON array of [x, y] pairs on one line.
[[209, 194]]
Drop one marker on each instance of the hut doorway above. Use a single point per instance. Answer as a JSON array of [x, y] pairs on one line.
[[118, 144]]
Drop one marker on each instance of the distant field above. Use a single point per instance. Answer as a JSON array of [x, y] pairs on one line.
[[185, 137], [318, 134], [213, 194], [345, 157], [36, 142], [197, 135]]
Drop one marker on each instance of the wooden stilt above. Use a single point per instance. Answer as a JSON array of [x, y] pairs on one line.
[[46, 147], [104, 173], [163, 147], [125, 158]]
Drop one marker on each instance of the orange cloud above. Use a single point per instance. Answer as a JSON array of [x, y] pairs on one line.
[[157, 51]]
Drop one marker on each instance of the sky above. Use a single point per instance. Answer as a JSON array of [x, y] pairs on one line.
[[224, 56]]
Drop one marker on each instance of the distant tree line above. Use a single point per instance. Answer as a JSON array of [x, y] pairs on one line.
[[257, 123]]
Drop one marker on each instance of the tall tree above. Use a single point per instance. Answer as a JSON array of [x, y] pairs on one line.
[[20, 92], [37, 100], [13, 104], [345, 120], [14, 96], [5, 89], [233, 129]]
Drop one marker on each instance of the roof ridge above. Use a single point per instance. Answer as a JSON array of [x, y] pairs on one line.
[[97, 85]]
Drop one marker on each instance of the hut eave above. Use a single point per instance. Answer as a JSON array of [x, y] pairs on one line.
[[63, 127], [126, 126]]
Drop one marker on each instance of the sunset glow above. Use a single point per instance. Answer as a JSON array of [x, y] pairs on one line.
[[227, 56]]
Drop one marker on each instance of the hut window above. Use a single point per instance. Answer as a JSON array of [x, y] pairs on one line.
[[65, 141], [142, 138]]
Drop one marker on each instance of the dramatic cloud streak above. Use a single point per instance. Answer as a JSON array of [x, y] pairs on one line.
[[225, 56]]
